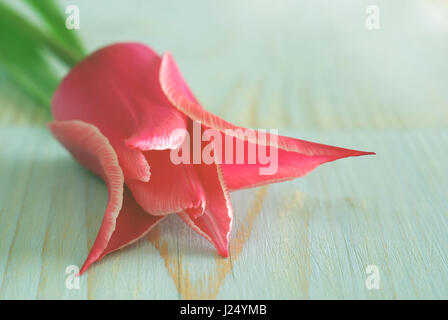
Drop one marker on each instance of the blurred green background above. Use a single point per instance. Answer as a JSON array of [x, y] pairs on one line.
[[288, 63]]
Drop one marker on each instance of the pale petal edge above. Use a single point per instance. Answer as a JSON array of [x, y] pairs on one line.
[[208, 225], [93, 150]]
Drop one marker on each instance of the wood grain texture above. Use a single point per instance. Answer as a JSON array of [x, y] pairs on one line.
[[310, 238], [309, 68]]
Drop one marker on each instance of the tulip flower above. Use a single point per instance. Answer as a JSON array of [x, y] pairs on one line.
[[124, 111]]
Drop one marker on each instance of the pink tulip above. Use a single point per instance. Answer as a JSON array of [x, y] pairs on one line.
[[123, 110]]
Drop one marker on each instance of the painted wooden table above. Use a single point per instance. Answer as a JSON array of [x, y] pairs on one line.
[[309, 68]]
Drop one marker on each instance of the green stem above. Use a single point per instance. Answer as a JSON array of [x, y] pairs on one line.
[[25, 27]]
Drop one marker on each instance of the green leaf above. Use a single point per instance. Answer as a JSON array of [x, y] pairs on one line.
[[19, 25], [23, 49], [53, 17], [24, 63]]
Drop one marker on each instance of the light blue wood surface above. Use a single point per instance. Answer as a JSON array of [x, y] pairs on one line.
[[310, 238], [309, 66]]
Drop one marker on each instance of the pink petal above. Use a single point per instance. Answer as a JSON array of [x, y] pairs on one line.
[[295, 157], [290, 165], [124, 221], [216, 222], [117, 89], [92, 150], [172, 188], [132, 162], [132, 224]]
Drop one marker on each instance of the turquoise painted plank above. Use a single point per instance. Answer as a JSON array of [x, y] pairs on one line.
[[310, 238]]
